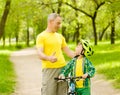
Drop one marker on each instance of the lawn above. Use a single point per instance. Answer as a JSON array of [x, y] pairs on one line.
[[107, 62], [7, 75]]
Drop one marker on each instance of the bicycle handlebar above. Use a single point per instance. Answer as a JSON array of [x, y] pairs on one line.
[[68, 78]]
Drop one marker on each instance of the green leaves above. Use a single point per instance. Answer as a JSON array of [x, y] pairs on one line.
[[25, 14]]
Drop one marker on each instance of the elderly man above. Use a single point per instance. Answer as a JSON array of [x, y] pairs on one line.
[[50, 45]]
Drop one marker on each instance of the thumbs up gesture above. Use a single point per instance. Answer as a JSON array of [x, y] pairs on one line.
[[52, 58]]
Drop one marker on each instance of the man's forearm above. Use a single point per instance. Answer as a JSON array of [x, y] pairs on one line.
[[69, 52], [42, 56], [50, 58]]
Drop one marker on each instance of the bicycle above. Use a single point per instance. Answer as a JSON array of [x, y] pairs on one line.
[[71, 84]]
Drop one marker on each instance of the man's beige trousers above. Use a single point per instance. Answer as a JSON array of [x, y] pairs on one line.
[[51, 86]]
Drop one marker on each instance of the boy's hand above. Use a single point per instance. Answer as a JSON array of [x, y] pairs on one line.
[[85, 76], [61, 76]]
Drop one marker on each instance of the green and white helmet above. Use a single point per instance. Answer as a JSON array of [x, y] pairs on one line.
[[87, 47]]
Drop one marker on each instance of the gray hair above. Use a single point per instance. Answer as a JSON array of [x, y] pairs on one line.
[[53, 16]]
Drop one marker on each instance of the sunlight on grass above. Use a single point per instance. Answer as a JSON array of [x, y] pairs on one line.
[[111, 70], [108, 65], [107, 61], [5, 51]]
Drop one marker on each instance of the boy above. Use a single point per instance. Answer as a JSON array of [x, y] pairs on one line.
[[80, 66]]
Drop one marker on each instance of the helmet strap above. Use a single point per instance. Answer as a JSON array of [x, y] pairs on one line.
[[82, 51]]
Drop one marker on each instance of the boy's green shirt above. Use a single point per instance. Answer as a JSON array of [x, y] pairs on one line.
[[86, 66]]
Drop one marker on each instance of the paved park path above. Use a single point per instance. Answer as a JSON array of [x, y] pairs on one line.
[[28, 69]]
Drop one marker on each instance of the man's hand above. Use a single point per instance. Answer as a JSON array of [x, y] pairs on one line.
[[52, 58]]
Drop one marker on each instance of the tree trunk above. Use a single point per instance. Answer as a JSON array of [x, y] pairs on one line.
[[16, 36], [4, 17], [9, 40], [103, 32], [17, 32], [94, 30], [63, 31], [34, 37], [27, 36], [74, 36], [113, 29], [77, 33], [67, 37], [59, 6], [3, 40]]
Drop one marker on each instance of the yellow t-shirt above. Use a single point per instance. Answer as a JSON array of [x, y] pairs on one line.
[[79, 72], [52, 42]]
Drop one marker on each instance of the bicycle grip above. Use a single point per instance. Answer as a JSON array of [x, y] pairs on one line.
[[56, 78]]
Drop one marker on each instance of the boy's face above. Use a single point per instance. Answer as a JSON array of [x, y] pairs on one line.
[[78, 49]]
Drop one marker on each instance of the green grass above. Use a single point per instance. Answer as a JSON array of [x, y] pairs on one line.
[[106, 60], [7, 75]]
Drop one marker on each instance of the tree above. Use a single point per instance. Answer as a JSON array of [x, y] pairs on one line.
[[114, 13], [92, 16], [4, 17]]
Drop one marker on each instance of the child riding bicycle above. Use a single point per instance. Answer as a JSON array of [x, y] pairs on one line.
[[80, 66]]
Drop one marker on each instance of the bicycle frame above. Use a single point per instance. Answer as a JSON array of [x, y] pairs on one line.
[[71, 84]]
